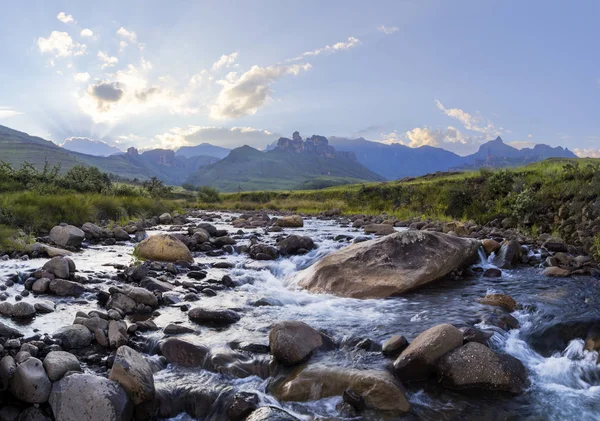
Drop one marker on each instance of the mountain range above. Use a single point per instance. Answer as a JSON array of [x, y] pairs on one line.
[[313, 162]]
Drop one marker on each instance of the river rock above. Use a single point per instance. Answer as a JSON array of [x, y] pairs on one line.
[[313, 382], [117, 333], [41, 285], [294, 221], [67, 236], [92, 231], [390, 265], [556, 272], [417, 361], [213, 317], [63, 288], [120, 234], [30, 382], [394, 346], [183, 352], [490, 246], [379, 229], [7, 371], [263, 252], [294, 243], [8, 331], [270, 413], [163, 247], [74, 336], [475, 366], [134, 374], [555, 244], [88, 397], [293, 342], [57, 363], [509, 255], [48, 250], [58, 266], [500, 300], [492, 273], [23, 310], [165, 218]]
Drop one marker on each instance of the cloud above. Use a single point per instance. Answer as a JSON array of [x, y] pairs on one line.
[[86, 33], [7, 112], [226, 60], [64, 18], [474, 123], [244, 95], [106, 92], [330, 49], [61, 45], [425, 137], [585, 152], [522, 144], [387, 29], [221, 136], [129, 35], [107, 59], [82, 77], [530, 136]]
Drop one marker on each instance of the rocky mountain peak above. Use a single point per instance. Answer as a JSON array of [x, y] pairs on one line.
[[318, 145]]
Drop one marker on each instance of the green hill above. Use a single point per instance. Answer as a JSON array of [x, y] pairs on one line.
[[278, 169]]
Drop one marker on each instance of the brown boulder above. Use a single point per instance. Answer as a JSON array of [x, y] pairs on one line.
[[165, 248], [293, 342], [499, 300]]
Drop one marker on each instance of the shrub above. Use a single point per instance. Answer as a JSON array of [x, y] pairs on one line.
[[208, 194]]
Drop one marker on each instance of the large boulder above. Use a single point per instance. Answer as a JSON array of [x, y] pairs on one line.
[[63, 288], [294, 244], [134, 374], [294, 221], [57, 363], [88, 397], [213, 317], [183, 352], [293, 342], [92, 231], [165, 248], [390, 265], [74, 336], [30, 382], [57, 266], [67, 236], [475, 366], [418, 360], [509, 255], [378, 388]]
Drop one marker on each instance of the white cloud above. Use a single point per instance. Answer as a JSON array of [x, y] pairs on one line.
[[522, 144], [585, 152], [61, 45], [82, 77], [221, 136], [530, 136], [244, 95], [129, 35], [387, 29], [330, 49], [7, 112], [425, 137], [64, 18], [86, 33], [474, 123], [108, 61], [122, 46], [226, 60]]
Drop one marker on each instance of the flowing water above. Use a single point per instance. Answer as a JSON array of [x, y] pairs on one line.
[[565, 379]]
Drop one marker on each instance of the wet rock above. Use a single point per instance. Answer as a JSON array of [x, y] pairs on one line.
[[93, 323], [263, 252], [137, 272], [64, 288], [163, 247], [394, 346], [475, 366], [131, 370], [417, 361], [175, 329], [502, 320], [120, 301], [294, 221], [58, 363], [222, 241], [490, 246], [7, 371], [472, 334], [267, 302], [492, 273], [67, 236], [92, 231], [354, 399], [379, 389], [270, 413], [293, 244], [293, 342], [44, 307], [592, 340], [379, 229], [196, 274], [391, 265], [30, 382], [556, 272], [117, 333], [243, 404], [183, 352], [555, 244], [23, 310], [509, 255], [88, 397], [500, 300], [213, 317], [120, 234], [41, 285], [57, 266], [152, 284], [6, 309], [74, 336]]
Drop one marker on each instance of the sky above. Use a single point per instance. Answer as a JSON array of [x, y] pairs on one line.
[[451, 74]]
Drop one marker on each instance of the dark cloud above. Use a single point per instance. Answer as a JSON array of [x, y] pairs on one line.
[[143, 95], [107, 91]]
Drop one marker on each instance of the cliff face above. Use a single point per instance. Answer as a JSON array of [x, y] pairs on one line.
[[318, 145]]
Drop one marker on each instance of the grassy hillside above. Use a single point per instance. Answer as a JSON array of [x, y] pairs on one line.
[[251, 169]]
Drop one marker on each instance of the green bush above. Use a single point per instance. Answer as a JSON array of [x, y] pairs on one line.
[[208, 194]]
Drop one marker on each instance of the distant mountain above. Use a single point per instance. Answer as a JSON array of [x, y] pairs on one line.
[[90, 147], [290, 165], [18, 147], [203, 149], [396, 161]]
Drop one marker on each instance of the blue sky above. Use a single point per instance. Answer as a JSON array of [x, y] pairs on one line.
[[444, 73]]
